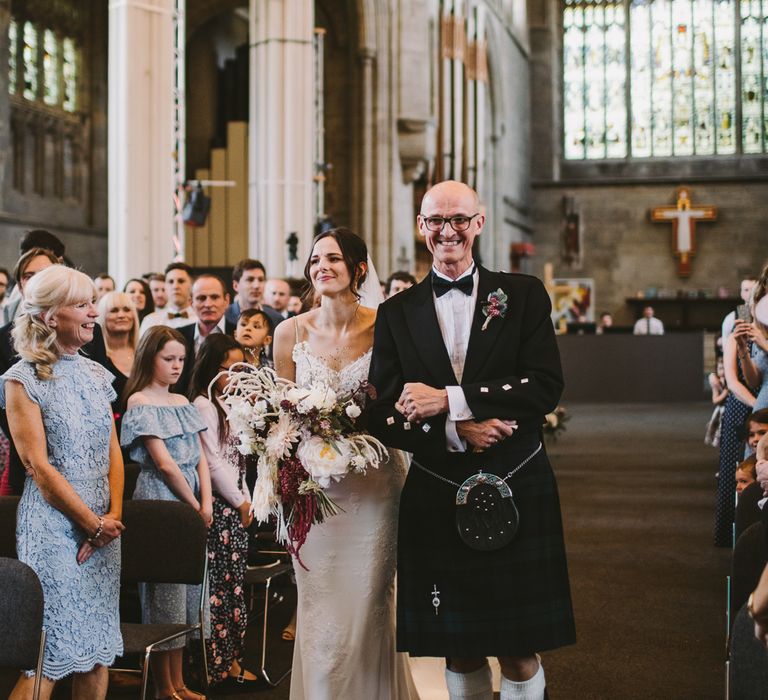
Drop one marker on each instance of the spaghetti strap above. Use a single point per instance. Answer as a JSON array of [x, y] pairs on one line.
[[296, 327]]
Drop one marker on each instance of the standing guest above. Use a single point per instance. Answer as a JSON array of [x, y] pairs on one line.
[[719, 388], [254, 333], [745, 290], [38, 238], [648, 324], [177, 312], [120, 325], [398, 282], [141, 296], [160, 430], [104, 285], [756, 362], [294, 305], [68, 519], [156, 283], [464, 382], [277, 293], [738, 406], [209, 302], [248, 278], [228, 536]]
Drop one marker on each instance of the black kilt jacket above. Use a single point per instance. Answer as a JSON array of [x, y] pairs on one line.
[[516, 600]]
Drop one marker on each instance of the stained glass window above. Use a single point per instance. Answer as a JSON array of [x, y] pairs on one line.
[[29, 56], [69, 74], [661, 78], [13, 48], [50, 68]]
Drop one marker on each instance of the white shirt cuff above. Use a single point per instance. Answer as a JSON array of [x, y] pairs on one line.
[[452, 440], [458, 408]]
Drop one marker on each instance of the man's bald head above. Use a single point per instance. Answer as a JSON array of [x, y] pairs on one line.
[[450, 191]]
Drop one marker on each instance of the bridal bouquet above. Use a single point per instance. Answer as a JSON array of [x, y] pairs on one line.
[[303, 439]]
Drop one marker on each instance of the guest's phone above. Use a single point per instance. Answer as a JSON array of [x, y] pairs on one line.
[[743, 314]]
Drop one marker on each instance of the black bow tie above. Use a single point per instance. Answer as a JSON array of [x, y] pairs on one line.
[[441, 286]]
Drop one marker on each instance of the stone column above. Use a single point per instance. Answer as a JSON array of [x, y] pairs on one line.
[[141, 186], [281, 131]]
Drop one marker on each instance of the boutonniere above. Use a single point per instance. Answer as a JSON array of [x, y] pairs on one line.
[[495, 306]]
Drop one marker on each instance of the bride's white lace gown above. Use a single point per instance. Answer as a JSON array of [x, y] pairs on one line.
[[345, 637]]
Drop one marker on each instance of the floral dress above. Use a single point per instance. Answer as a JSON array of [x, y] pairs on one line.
[[227, 547], [81, 615], [178, 427]]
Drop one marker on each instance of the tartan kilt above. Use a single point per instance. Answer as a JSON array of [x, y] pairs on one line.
[[510, 602]]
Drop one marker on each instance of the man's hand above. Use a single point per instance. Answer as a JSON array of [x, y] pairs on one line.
[[484, 434], [420, 401]]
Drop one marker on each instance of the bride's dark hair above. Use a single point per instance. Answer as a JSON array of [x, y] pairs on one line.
[[353, 250]]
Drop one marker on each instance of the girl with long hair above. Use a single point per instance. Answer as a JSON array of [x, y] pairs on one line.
[[160, 430]]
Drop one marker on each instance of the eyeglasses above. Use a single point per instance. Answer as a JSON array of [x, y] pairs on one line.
[[459, 223]]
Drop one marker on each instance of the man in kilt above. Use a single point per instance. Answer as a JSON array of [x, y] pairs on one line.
[[465, 366]]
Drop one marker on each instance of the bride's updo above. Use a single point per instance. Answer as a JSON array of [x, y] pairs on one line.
[[353, 250]]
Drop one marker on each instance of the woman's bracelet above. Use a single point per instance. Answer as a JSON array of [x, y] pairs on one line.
[[95, 536]]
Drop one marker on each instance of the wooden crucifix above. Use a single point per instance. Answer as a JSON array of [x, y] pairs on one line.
[[683, 217]]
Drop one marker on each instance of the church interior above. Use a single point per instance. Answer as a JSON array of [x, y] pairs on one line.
[[620, 152]]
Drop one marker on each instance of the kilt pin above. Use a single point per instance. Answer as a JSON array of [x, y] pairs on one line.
[[454, 601]]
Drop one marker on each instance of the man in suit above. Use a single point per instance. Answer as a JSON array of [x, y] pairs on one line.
[[248, 279], [464, 381], [209, 303], [177, 313]]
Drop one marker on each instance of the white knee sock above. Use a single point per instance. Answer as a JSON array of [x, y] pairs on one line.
[[476, 685], [532, 689]]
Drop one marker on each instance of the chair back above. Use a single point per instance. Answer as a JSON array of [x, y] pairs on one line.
[[21, 615], [163, 542], [749, 558], [8, 507], [748, 667], [130, 477], [747, 510]]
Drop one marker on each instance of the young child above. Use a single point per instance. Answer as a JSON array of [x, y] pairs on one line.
[[228, 537], [757, 427], [746, 473], [254, 333], [719, 396], [160, 430]]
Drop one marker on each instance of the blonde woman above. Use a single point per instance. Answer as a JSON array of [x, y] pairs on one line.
[[68, 522], [119, 321]]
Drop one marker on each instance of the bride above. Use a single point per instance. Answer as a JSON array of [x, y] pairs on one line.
[[345, 637]]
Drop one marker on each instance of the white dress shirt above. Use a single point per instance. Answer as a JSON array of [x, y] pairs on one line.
[[649, 326], [455, 311], [162, 318], [220, 327]]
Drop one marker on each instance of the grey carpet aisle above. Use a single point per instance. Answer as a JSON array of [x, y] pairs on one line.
[[637, 488]]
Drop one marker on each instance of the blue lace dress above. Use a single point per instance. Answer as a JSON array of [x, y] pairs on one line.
[[760, 359], [177, 426], [81, 616]]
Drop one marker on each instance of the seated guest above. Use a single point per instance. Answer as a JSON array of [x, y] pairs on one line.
[[120, 325], [648, 324], [228, 535], [141, 296], [757, 427], [277, 293], [746, 473], [397, 282], [606, 321], [104, 285], [178, 312], [161, 431], [58, 405], [5, 281], [156, 283], [295, 305], [248, 278], [254, 333], [209, 302]]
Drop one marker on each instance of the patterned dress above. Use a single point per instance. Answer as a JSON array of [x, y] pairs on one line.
[[760, 359], [81, 615], [177, 426], [227, 547]]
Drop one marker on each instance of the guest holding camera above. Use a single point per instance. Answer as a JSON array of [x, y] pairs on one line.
[[68, 521]]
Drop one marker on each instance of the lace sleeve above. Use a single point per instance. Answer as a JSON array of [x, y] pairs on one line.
[[104, 379], [24, 374]]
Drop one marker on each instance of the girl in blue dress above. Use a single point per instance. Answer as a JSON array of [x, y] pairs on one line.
[[161, 431]]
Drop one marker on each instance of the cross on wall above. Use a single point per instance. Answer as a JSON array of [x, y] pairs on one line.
[[683, 217]]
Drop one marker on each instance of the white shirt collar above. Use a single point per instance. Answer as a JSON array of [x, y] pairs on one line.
[[471, 270]]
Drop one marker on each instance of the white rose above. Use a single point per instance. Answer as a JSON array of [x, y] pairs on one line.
[[321, 398], [295, 395], [324, 460], [353, 410]]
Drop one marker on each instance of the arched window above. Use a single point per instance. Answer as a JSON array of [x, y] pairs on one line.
[[663, 78]]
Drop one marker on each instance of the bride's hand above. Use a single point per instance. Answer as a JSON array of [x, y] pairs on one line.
[[420, 401]]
